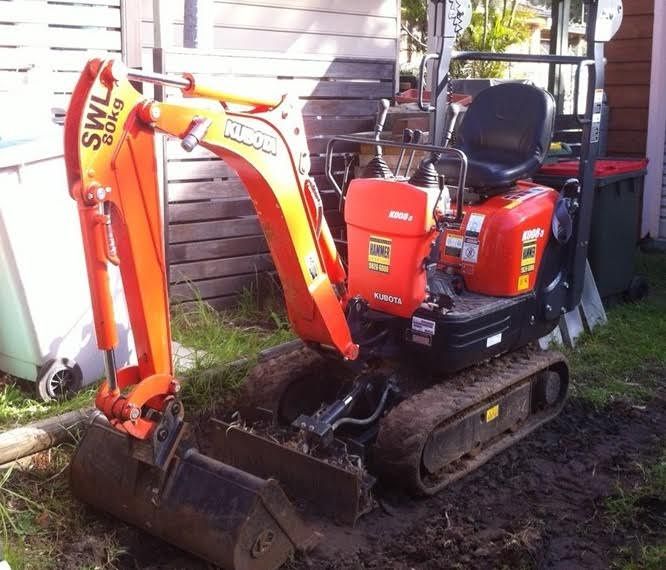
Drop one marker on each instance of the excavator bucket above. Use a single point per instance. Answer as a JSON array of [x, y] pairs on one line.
[[220, 513], [336, 488]]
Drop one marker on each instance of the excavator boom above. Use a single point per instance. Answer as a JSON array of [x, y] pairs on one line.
[[110, 157], [140, 450]]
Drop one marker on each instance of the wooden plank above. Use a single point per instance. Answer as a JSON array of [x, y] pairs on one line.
[[210, 268], [636, 73], [189, 191], [216, 229], [193, 169], [626, 142], [270, 64], [628, 119], [637, 7], [310, 88], [180, 170], [629, 50], [76, 15], [315, 127], [264, 16], [635, 26], [226, 208], [212, 288], [317, 145], [292, 42], [231, 247], [131, 34], [94, 2], [341, 108], [217, 303], [382, 8], [13, 58], [58, 82], [212, 210], [635, 96], [62, 37]]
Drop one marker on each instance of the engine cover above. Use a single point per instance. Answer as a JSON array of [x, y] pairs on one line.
[[390, 230], [499, 246]]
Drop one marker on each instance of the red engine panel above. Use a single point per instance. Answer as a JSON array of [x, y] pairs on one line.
[[499, 247], [390, 230]]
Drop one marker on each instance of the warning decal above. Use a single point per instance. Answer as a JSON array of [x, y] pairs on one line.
[[528, 257], [523, 282], [474, 225], [470, 250], [424, 326], [453, 246], [379, 254]]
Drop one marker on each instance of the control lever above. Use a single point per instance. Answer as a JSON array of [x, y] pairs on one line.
[[379, 125], [407, 135], [416, 139], [377, 167]]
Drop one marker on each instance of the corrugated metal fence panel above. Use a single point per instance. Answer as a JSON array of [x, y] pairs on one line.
[[216, 247], [364, 28], [56, 37]]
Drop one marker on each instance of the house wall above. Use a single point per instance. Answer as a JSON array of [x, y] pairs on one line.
[[363, 28], [336, 58], [629, 56], [54, 40]]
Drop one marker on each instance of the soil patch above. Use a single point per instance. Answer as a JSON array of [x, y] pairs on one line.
[[539, 504]]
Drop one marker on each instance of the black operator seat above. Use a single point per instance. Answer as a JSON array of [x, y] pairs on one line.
[[505, 133]]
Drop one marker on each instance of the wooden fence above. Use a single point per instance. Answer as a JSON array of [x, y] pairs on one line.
[[215, 245], [57, 38]]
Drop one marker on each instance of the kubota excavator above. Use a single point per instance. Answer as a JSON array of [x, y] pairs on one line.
[[416, 365]]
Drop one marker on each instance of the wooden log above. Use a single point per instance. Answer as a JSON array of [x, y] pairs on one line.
[[38, 436]]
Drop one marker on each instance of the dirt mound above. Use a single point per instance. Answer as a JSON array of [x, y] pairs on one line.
[[540, 504]]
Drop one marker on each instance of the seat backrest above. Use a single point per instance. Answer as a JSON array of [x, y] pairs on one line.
[[510, 118]]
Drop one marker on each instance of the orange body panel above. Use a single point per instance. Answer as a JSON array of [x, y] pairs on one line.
[[499, 247], [390, 229]]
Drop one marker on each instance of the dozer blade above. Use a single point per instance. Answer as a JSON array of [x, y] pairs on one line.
[[336, 487], [218, 512]]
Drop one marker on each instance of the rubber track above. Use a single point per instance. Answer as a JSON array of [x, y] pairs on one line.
[[267, 381], [404, 431]]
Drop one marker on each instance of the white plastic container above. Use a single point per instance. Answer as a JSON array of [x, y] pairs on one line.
[[46, 325]]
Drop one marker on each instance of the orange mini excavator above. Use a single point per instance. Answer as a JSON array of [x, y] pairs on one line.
[[417, 362]]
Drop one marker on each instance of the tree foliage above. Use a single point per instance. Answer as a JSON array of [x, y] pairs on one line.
[[496, 25], [414, 14]]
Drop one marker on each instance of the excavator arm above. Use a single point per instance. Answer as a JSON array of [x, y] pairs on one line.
[[112, 174]]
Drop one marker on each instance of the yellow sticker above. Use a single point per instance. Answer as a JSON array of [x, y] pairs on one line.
[[523, 282], [528, 257], [379, 254], [492, 413]]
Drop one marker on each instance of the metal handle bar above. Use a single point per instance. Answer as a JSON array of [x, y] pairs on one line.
[[158, 78], [421, 86], [518, 57], [437, 151], [585, 63]]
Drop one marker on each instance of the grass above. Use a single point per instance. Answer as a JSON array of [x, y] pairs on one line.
[[627, 357], [223, 338], [642, 508], [17, 407], [42, 526]]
